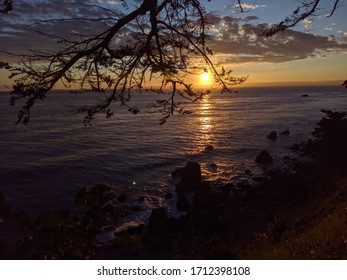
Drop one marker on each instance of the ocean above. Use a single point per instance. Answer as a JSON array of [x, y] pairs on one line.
[[44, 164]]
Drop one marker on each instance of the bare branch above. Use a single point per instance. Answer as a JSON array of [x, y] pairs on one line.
[[296, 17], [307, 9], [334, 8], [6, 6], [156, 41]]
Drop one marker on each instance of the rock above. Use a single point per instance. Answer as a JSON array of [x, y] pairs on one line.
[[285, 132], [286, 157], [141, 199], [272, 135], [227, 187], [122, 198], [5, 209], [264, 157], [296, 147], [136, 230], [169, 195], [191, 178], [209, 148], [305, 95], [182, 203], [258, 179], [248, 171], [106, 235], [243, 184], [178, 172], [135, 208], [213, 165], [158, 215], [157, 230]]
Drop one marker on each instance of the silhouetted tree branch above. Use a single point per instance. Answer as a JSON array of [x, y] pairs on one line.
[[156, 41], [6, 6], [305, 10], [159, 40]]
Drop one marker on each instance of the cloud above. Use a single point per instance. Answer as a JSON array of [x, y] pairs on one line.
[[308, 23], [19, 34], [245, 7], [236, 38], [239, 42]]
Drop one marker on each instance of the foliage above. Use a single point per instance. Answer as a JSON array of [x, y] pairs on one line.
[[330, 140], [6, 6], [314, 230], [69, 234], [306, 9]]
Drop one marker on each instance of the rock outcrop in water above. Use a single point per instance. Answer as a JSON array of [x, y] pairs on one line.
[[191, 178], [272, 135], [285, 132], [264, 157], [209, 148]]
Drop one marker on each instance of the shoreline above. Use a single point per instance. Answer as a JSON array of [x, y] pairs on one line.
[[278, 218]]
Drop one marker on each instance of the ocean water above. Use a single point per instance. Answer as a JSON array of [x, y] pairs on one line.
[[43, 164]]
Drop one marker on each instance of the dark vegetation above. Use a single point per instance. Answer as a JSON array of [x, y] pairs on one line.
[[293, 213], [6, 6]]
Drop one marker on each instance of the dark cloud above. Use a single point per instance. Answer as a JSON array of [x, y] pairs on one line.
[[250, 18]]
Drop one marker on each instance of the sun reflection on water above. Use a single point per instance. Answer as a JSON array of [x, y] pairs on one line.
[[214, 165], [205, 122]]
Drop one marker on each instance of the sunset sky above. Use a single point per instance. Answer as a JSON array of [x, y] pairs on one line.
[[315, 51]]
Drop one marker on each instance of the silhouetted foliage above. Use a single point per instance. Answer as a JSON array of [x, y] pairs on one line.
[[6, 6], [158, 40], [306, 9], [155, 41], [330, 140], [67, 234]]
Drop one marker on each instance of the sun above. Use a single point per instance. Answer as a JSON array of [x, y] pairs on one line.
[[205, 77]]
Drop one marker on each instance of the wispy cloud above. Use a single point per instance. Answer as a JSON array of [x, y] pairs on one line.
[[251, 6], [245, 7]]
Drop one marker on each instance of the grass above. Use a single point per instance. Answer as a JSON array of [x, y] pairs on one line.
[[316, 229]]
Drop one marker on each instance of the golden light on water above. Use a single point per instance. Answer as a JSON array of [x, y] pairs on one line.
[[205, 119], [205, 122]]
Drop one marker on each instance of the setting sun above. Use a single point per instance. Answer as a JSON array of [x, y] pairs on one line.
[[205, 77]]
